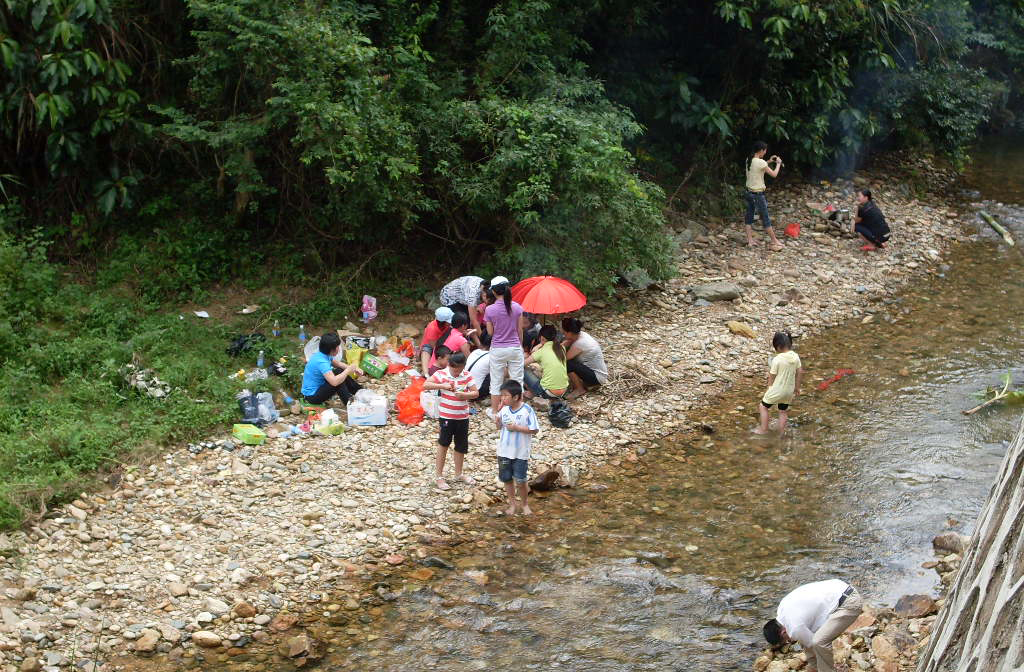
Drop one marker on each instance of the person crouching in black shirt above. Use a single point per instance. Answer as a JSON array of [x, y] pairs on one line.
[[870, 223]]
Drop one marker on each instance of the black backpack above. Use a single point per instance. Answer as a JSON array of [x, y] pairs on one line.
[[560, 414]]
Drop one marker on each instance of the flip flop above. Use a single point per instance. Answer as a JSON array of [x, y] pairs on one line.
[[442, 484], [468, 480]]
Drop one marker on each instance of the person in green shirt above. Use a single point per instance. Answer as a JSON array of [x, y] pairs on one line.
[[550, 356]]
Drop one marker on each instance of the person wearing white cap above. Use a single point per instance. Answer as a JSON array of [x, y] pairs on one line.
[[442, 322], [463, 295], [505, 325]]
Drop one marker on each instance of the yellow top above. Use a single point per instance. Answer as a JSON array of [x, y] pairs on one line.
[[784, 367], [555, 376], [755, 174]]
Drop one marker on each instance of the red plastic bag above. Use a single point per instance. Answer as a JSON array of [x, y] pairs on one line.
[[395, 367], [793, 230], [410, 411], [840, 374]]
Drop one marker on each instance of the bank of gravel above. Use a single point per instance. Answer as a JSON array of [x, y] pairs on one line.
[[200, 556]]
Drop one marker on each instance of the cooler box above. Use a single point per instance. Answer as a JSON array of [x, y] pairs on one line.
[[249, 434], [368, 411]]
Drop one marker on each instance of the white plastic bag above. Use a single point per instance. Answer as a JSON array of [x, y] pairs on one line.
[[430, 402]]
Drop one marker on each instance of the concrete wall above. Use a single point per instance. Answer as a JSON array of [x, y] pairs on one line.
[[981, 626]]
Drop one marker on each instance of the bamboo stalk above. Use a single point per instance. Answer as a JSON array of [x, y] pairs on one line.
[[999, 228]]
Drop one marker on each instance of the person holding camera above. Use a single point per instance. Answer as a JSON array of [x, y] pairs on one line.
[[757, 167]]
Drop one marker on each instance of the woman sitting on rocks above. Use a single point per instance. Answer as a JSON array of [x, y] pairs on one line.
[[550, 356], [870, 223], [585, 365]]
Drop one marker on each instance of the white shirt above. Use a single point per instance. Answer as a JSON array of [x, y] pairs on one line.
[[806, 609], [479, 365], [516, 445], [591, 356]]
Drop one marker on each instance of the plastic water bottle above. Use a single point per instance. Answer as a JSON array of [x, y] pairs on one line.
[[302, 335], [259, 360], [277, 329]]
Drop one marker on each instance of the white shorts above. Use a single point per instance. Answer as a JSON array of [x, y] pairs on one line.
[[500, 359]]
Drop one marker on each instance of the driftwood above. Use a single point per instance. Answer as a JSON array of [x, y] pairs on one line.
[[997, 227]]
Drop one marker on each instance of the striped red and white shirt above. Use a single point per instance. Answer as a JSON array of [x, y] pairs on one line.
[[449, 406]]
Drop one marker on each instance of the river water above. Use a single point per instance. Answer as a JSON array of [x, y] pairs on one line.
[[678, 562]]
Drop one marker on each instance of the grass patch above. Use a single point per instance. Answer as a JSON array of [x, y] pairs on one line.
[[65, 339]]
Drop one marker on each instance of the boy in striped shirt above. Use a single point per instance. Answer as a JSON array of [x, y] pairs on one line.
[[518, 423], [456, 389]]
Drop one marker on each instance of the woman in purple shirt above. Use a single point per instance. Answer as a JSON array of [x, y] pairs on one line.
[[504, 323]]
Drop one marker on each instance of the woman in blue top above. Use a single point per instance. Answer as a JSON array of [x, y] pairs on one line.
[[321, 379], [505, 325]]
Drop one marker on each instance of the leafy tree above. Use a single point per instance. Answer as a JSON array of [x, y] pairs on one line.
[[65, 101]]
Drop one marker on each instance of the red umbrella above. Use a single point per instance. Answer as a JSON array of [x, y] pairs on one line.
[[548, 295]]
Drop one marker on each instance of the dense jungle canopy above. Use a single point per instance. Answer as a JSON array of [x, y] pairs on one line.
[[530, 135]]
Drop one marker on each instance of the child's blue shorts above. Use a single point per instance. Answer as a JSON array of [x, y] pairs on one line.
[[510, 468]]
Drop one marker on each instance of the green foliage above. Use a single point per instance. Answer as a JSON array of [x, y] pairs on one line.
[[65, 100], [62, 348], [941, 105]]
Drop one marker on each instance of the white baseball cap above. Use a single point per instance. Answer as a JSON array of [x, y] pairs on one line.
[[499, 280], [444, 314]]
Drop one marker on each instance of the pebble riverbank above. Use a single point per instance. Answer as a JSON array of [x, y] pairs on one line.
[[205, 553]]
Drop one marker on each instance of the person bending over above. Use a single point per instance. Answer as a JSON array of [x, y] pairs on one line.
[[325, 375], [814, 615]]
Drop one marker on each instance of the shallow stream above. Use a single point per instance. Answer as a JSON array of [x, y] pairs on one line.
[[677, 563]]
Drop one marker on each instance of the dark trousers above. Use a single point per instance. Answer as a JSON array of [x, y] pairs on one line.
[[344, 391], [757, 201]]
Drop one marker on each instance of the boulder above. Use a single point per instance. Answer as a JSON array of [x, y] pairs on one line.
[[883, 648], [951, 542], [915, 606], [147, 641], [716, 291]]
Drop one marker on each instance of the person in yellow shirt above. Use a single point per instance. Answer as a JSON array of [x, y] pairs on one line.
[[784, 378], [755, 193], [550, 355]]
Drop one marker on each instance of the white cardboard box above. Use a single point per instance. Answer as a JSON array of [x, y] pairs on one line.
[[372, 412]]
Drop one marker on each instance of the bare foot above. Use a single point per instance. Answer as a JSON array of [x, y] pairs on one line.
[[526, 510], [574, 395], [442, 484], [750, 242], [511, 510], [758, 430], [777, 247]]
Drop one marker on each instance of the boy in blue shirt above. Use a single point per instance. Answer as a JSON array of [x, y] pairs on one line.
[[518, 423], [325, 376]]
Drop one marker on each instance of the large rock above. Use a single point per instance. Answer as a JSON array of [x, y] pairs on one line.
[[914, 606], [952, 542], [147, 641], [206, 639], [883, 648], [716, 291]]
